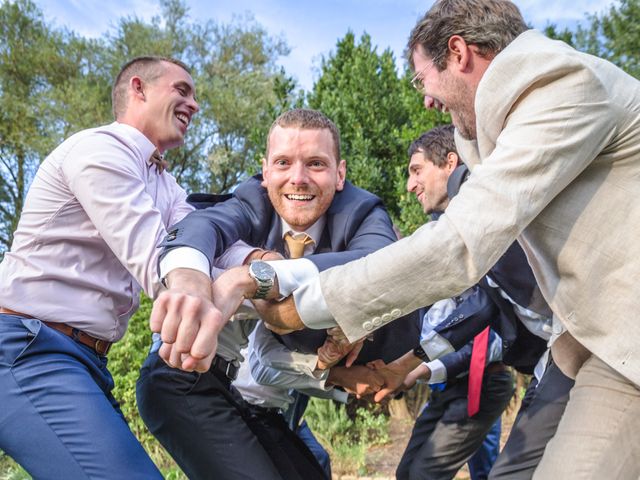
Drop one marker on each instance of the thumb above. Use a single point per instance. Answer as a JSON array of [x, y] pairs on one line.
[[382, 394], [353, 354]]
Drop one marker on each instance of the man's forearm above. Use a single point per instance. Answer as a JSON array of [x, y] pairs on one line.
[[282, 315], [408, 362]]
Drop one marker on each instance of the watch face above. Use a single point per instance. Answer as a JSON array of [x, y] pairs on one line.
[[262, 271]]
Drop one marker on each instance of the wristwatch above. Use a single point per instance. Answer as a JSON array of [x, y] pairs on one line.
[[264, 276], [420, 353]]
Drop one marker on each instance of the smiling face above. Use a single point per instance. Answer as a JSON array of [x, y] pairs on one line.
[[447, 92], [428, 182], [168, 103], [301, 174]]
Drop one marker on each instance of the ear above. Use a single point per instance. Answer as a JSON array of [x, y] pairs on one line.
[[459, 52], [265, 172], [452, 162], [137, 86], [341, 175]]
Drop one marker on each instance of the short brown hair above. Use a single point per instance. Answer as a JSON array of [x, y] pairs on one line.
[[149, 68], [435, 144], [491, 25], [307, 119]]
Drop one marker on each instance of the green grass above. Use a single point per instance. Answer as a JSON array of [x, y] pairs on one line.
[[347, 439]]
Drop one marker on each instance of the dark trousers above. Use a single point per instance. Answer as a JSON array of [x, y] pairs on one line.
[[444, 437], [207, 428], [536, 423], [293, 416], [285, 446], [481, 462], [58, 417], [322, 456]]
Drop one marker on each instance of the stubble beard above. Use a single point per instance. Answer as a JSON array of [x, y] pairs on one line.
[[461, 107]]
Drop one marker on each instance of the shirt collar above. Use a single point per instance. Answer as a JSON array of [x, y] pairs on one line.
[[145, 147], [314, 231]]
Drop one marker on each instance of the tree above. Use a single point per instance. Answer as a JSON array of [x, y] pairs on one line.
[[54, 83], [614, 35], [378, 115], [360, 91], [238, 86], [37, 65]]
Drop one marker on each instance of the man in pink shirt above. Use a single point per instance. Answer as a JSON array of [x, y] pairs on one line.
[[84, 248]]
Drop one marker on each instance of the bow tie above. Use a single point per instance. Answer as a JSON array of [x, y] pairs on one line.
[[159, 161]]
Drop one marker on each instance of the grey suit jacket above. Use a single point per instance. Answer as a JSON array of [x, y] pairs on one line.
[[557, 166]]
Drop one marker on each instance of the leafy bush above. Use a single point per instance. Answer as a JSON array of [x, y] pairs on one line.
[[10, 470], [347, 439]]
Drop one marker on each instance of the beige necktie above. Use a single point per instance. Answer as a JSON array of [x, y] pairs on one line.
[[297, 243], [159, 161]]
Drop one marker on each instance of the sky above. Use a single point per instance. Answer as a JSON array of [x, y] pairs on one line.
[[310, 28]]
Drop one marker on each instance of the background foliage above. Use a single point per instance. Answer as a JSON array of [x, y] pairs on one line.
[[54, 83]]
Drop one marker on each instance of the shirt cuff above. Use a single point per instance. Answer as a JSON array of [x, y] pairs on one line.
[[435, 345], [233, 256], [307, 363], [311, 307], [340, 396], [184, 257], [292, 273], [438, 371], [300, 277]]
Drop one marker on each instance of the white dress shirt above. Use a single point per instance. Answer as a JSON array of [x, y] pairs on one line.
[[432, 343], [87, 238], [271, 371]]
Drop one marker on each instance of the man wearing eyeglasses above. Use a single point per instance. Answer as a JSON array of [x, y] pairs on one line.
[[552, 137]]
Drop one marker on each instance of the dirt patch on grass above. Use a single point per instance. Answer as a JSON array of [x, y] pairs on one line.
[[383, 460]]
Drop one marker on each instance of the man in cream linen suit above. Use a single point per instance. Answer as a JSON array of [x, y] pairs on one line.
[[552, 137]]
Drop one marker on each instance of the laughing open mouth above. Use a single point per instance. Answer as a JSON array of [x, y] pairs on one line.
[[299, 197], [184, 119]]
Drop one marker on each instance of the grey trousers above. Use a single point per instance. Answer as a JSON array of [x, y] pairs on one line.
[[598, 436], [444, 437]]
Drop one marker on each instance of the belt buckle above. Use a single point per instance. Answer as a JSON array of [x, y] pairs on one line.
[[231, 371], [102, 347]]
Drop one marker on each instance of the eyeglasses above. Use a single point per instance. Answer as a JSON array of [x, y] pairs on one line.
[[418, 79]]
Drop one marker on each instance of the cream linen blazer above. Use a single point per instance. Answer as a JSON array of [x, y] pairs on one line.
[[557, 166]]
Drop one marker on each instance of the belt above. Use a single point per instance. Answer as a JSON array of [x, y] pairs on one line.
[[495, 367], [260, 410], [101, 347], [227, 368]]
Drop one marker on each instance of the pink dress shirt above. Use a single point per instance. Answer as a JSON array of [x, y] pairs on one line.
[[86, 241]]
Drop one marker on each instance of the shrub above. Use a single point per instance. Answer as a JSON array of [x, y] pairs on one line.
[[347, 439]]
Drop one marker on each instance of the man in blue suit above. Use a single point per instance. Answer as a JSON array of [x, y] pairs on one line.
[[302, 195]]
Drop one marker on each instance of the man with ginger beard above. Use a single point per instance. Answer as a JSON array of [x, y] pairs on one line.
[[302, 193]]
